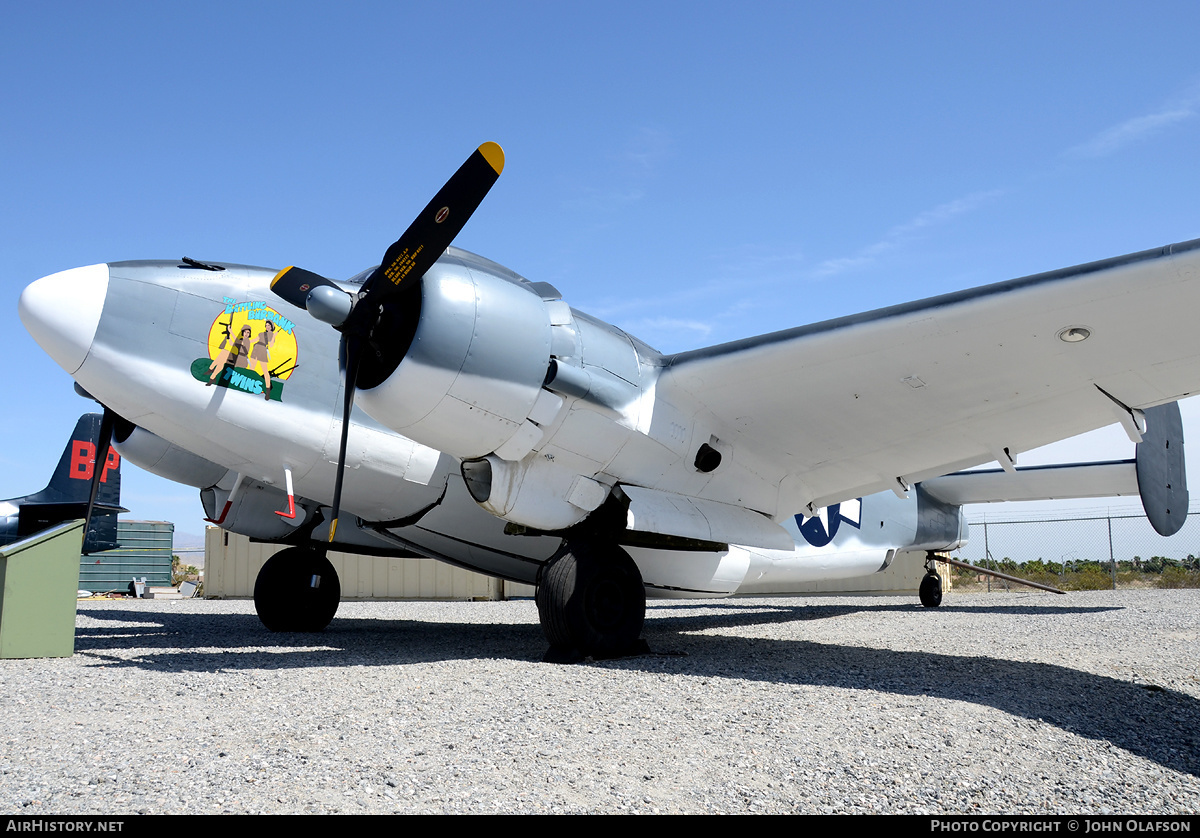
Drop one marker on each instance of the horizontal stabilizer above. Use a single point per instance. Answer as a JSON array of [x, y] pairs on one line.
[[1156, 475], [101, 531], [1083, 480], [66, 511]]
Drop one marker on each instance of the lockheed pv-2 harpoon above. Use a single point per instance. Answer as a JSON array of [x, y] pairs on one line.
[[441, 405]]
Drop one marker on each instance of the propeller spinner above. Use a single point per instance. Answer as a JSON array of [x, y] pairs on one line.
[[403, 266]]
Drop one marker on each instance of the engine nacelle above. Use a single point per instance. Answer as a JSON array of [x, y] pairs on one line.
[[252, 510], [535, 399], [534, 492], [471, 373], [156, 455]]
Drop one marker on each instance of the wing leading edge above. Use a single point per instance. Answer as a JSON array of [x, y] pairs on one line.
[[881, 400]]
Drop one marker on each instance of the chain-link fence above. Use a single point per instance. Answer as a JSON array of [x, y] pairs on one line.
[[1126, 548]]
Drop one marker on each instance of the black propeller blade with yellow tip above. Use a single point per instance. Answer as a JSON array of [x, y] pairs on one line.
[[431, 232], [293, 284], [98, 467], [404, 263]]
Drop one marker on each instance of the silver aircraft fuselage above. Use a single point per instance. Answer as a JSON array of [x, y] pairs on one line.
[[230, 389]]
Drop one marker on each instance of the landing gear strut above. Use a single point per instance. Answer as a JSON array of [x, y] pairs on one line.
[[931, 585], [591, 602], [297, 590]]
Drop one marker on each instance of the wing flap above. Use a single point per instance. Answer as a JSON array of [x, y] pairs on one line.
[[666, 513]]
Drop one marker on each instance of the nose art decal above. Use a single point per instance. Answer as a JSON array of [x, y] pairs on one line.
[[251, 348]]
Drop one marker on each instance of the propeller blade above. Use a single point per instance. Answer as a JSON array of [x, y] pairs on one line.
[[404, 263], [352, 353], [293, 285], [431, 232], [102, 446]]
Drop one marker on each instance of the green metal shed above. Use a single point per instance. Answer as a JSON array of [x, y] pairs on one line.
[[143, 549]]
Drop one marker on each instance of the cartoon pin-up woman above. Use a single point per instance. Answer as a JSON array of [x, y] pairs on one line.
[[234, 354], [260, 356]]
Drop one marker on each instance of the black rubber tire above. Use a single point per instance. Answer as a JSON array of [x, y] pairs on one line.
[[931, 590], [285, 598], [591, 600]]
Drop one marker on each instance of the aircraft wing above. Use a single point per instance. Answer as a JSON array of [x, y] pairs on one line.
[[882, 400]]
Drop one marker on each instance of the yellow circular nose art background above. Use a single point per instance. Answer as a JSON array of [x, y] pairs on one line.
[[251, 347]]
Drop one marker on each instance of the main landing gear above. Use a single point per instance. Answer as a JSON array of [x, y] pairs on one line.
[[591, 603], [297, 590], [931, 585]]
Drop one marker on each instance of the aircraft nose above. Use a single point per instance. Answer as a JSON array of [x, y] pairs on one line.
[[62, 312]]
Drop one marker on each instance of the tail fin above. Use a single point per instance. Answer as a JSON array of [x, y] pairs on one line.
[[73, 475], [1161, 475], [66, 496]]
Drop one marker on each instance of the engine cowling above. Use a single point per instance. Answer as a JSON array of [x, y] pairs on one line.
[[472, 365], [535, 399], [149, 451]]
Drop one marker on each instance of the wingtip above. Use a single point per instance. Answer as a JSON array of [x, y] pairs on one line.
[[494, 155]]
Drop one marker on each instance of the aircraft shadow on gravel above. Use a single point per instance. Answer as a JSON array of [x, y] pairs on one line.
[[1148, 721]]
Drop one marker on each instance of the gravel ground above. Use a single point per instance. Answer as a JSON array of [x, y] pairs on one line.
[[1000, 703]]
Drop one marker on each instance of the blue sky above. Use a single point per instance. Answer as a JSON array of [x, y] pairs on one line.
[[694, 172]]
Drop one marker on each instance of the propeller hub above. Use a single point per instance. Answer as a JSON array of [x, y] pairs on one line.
[[329, 304]]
